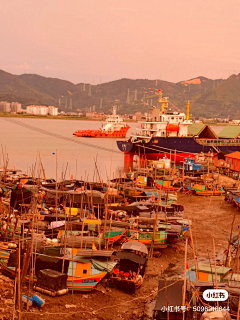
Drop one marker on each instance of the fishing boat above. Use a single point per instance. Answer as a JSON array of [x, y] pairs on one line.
[[174, 135], [146, 237], [129, 273], [84, 271], [114, 127], [202, 190]]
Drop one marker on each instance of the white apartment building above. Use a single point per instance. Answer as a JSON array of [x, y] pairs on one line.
[[42, 110], [53, 111], [16, 107], [5, 106]]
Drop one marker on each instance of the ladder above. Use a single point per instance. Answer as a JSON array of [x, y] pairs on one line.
[[216, 148]]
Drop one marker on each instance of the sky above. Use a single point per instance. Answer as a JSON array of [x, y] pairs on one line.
[[98, 41]]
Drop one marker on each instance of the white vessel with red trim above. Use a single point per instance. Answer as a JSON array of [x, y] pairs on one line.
[[114, 127]]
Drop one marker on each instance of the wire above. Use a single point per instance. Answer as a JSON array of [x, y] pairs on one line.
[[58, 136]]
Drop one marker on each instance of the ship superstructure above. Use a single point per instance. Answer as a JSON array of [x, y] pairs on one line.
[[160, 123], [114, 127], [173, 135]]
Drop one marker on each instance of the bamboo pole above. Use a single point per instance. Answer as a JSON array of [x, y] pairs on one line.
[[194, 255], [56, 202], [154, 228], [230, 238], [82, 233], [19, 280], [185, 279], [215, 266]]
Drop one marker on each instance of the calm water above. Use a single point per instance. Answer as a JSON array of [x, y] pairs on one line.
[[23, 146]]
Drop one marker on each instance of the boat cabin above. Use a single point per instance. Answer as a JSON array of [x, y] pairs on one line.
[[129, 272]]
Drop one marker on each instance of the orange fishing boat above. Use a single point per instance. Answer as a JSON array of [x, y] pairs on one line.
[[114, 127]]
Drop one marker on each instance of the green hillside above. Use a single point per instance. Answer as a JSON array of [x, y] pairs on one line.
[[209, 98]]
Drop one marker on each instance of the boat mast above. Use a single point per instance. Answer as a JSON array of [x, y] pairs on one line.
[[162, 101]]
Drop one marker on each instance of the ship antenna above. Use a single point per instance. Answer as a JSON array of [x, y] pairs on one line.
[[114, 110]]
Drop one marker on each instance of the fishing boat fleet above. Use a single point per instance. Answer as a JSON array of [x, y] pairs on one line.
[[73, 235]]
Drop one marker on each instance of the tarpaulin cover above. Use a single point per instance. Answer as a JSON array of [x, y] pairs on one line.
[[12, 261], [173, 293], [103, 265], [131, 256], [46, 262], [20, 196], [51, 280]]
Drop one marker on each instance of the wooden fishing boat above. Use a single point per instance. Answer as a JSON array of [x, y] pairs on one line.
[[145, 237], [237, 201], [202, 190], [167, 185], [83, 275], [114, 236], [130, 270]]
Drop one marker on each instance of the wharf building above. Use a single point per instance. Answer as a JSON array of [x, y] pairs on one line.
[[42, 110]]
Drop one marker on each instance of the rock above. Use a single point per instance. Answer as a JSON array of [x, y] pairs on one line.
[[85, 296], [8, 301], [68, 306]]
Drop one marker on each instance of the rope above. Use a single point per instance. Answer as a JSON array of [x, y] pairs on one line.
[[58, 136]]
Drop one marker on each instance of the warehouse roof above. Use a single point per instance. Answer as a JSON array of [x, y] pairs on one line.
[[230, 132]]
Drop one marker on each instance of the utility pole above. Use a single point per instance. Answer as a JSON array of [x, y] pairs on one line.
[[135, 95], [128, 96]]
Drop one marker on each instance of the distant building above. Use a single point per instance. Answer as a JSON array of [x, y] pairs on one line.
[[53, 111], [16, 107], [5, 106], [138, 115], [42, 110], [94, 115]]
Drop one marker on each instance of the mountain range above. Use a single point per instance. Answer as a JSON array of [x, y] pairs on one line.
[[209, 98]]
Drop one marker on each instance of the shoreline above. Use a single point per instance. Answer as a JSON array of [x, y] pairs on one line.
[[4, 115]]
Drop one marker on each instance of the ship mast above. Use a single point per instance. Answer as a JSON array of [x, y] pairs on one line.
[[162, 101], [188, 111]]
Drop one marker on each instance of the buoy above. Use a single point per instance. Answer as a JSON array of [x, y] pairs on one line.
[[25, 298], [61, 292], [38, 301]]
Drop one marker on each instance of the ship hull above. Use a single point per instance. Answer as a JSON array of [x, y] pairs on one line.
[[102, 134], [178, 147]]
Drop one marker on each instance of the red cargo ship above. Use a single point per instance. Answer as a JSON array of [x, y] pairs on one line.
[[114, 127]]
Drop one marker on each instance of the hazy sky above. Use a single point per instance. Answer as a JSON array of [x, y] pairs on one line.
[[103, 40]]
